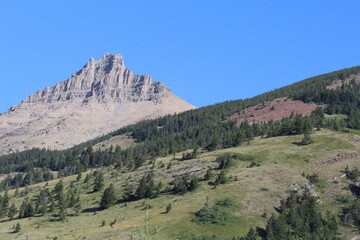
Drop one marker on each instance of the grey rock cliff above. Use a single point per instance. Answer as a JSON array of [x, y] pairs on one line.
[[101, 97]]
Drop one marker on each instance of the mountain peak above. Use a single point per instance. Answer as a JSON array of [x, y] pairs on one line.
[[101, 97], [106, 79]]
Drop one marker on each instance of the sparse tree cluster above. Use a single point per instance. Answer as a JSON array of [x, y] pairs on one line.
[[185, 184], [301, 218], [145, 189]]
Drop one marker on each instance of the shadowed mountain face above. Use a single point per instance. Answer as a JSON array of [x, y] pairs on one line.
[[103, 96]]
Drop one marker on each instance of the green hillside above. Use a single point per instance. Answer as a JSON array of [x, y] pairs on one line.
[[199, 176], [255, 190]]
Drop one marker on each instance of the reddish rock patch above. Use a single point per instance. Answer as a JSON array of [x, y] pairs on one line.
[[274, 110]]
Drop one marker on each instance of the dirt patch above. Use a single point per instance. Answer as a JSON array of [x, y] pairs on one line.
[[122, 140], [338, 83], [338, 158], [274, 110]]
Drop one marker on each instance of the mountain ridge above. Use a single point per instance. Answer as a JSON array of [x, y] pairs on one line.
[[102, 96]]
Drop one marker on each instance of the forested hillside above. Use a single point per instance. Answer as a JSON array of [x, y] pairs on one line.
[[205, 127], [202, 153]]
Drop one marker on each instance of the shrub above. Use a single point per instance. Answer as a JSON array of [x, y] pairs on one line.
[[213, 215], [226, 203], [17, 228], [168, 208]]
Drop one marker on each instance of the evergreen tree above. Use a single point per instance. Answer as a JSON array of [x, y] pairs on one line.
[[251, 235], [4, 204], [351, 214], [26, 209], [306, 139], [108, 198], [193, 184], [99, 182], [140, 191], [59, 187], [77, 208], [87, 178], [17, 228], [62, 213], [78, 177], [61, 204], [209, 174], [221, 178], [300, 218], [168, 208], [12, 211], [52, 206], [42, 200], [71, 198], [147, 188]]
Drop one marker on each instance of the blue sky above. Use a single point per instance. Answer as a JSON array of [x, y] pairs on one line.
[[205, 51]]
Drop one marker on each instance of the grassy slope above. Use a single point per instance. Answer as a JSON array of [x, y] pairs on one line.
[[256, 191], [122, 140]]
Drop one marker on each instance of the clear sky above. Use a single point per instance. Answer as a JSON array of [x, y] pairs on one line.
[[205, 51]]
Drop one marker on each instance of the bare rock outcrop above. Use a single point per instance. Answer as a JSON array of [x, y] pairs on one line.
[[101, 97]]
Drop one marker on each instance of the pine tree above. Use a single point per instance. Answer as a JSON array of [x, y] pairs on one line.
[[113, 223], [12, 211], [52, 206], [168, 208], [78, 177], [62, 213], [59, 187], [16, 193], [87, 178], [77, 208], [251, 235], [42, 201], [108, 198], [17, 228], [221, 178], [209, 174], [62, 205], [26, 209], [71, 198], [194, 183], [306, 139], [140, 191], [99, 182], [5, 204]]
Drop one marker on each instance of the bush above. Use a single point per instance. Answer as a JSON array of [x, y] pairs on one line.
[[214, 215], [185, 184], [226, 203], [221, 178], [253, 164], [209, 174], [300, 217], [351, 215], [353, 174], [228, 160], [313, 178], [168, 208], [17, 228], [306, 139]]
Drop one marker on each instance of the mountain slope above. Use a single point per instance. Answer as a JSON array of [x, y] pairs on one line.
[[271, 160], [102, 97], [256, 190]]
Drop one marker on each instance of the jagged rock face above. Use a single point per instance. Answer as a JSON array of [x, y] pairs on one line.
[[105, 80], [102, 97]]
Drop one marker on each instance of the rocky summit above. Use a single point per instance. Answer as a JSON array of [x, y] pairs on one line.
[[101, 97]]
